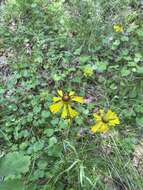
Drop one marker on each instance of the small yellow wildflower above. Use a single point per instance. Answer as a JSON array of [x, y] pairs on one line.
[[118, 28], [104, 120], [88, 71], [64, 102]]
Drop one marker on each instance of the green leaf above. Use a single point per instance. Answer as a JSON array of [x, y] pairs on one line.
[[115, 44], [84, 58], [49, 132], [57, 77], [139, 121], [77, 79], [139, 108], [125, 38], [12, 185], [38, 146], [55, 121], [52, 141], [101, 66], [125, 72], [36, 109], [38, 174], [45, 114], [78, 51], [14, 163], [140, 70], [42, 164], [63, 124], [140, 33], [55, 150]]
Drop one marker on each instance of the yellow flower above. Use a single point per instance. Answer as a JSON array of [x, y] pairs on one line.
[[64, 103], [104, 120], [88, 71], [118, 28]]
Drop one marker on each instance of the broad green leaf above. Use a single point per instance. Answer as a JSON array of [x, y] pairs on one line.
[[140, 70], [14, 163], [49, 132], [12, 185], [55, 150], [139, 121], [100, 66], [57, 77], [125, 72], [42, 164], [84, 58], [140, 33], [38, 146], [52, 141], [45, 114], [36, 109], [78, 51], [125, 38]]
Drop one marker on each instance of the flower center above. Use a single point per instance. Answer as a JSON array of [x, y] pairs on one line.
[[104, 119], [66, 98]]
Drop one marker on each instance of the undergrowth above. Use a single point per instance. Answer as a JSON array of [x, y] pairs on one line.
[[71, 46]]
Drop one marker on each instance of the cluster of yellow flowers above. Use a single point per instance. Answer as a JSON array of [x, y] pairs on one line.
[[118, 28], [63, 103], [88, 71]]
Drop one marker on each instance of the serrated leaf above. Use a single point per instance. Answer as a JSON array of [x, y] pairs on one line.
[[12, 185], [14, 163]]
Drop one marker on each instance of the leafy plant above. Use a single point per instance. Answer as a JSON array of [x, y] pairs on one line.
[[93, 48], [14, 163]]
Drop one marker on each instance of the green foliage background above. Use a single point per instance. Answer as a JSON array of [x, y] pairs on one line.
[[48, 44]]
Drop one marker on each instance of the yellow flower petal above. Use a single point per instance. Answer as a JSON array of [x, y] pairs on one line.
[[60, 92], [110, 114], [64, 112], [71, 93], [97, 117], [104, 128], [88, 71], [78, 99], [99, 127], [118, 28], [56, 107], [72, 112], [101, 111], [114, 122], [95, 128], [56, 99], [112, 118]]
